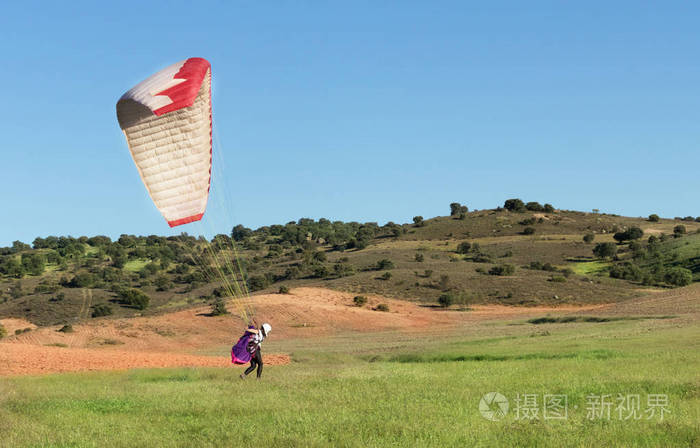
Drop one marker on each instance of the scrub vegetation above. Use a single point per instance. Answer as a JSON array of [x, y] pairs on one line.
[[486, 255]]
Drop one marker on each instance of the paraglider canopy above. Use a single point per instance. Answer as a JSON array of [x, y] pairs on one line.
[[167, 123]]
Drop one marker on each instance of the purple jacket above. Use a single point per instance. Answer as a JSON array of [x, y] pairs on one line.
[[239, 352]]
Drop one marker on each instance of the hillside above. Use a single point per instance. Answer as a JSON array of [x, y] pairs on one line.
[[193, 338], [523, 256]]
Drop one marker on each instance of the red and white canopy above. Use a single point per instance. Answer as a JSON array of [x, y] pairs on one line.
[[167, 123]]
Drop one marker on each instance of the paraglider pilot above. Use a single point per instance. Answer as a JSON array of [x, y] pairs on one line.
[[248, 349]]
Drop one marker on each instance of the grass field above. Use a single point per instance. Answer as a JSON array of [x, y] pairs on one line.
[[386, 389]]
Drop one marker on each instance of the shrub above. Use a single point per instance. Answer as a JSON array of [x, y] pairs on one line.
[[557, 279], [481, 258], [627, 271], [162, 283], [343, 270], [464, 247], [283, 290], [548, 208], [528, 231], [527, 222], [321, 271], [534, 207], [66, 329], [654, 217], [101, 310], [385, 276], [549, 267], [135, 298], [419, 258], [292, 272], [257, 282], [418, 221], [678, 277], [445, 300], [16, 290], [218, 308], [385, 264], [82, 280], [359, 300], [444, 282], [537, 265], [633, 233], [605, 250], [33, 263], [588, 238], [679, 230], [568, 272], [459, 210], [514, 205], [3, 331], [428, 273], [382, 307], [503, 269]]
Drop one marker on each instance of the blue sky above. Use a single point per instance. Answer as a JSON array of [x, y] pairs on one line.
[[367, 111]]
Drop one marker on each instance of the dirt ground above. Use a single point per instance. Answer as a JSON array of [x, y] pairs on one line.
[[173, 339]]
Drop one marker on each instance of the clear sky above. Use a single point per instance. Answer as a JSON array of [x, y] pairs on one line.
[[366, 111]]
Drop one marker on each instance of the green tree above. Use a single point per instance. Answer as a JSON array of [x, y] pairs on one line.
[[82, 280], [679, 230], [162, 283], [418, 221], [459, 210], [605, 250], [654, 217], [445, 300], [18, 246], [514, 205], [134, 298], [101, 310], [218, 308], [239, 233], [588, 238], [33, 263], [635, 233], [534, 207], [678, 276]]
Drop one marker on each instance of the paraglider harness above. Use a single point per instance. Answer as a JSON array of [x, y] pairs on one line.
[[247, 346]]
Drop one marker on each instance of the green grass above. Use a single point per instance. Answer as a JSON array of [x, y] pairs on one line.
[[589, 267], [135, 265], [423, 392]]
